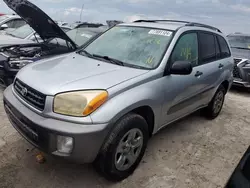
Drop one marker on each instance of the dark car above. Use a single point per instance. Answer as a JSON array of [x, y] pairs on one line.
[[54, 40], [85, 24], [241, 175], [240, 45]]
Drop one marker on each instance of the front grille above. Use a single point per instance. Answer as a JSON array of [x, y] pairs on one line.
[[236, 72], [30, 95]]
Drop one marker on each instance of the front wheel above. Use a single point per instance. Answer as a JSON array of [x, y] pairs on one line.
[[124, 148], [214, 107]]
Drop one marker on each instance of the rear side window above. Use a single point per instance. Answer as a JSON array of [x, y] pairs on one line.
[[225, 52], [207, 47]]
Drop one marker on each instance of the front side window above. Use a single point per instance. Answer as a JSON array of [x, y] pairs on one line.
[[138, 46], [186, 49], [207, 47]]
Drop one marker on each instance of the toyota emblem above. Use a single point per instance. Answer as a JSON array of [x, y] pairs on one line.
[[24, 91]]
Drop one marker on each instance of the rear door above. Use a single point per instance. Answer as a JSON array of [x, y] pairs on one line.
[[210, 65]]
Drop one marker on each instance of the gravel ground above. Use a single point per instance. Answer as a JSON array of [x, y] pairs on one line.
[[192, 153]]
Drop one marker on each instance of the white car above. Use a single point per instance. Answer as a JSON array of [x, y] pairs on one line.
[[22, 35]]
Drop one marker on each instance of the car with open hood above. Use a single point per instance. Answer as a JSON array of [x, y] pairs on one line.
[[22, 35], [240, 45], [49, 40]]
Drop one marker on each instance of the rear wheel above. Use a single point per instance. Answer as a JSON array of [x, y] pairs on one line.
[[214, 107], [124, 149]]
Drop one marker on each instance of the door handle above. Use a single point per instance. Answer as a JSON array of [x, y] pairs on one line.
[[198, 74], [221, 66]]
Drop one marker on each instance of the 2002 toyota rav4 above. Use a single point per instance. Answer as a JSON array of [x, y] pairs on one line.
[[102, 103]]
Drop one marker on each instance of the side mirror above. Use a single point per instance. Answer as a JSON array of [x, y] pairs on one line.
[[4, 26], [181, 68]]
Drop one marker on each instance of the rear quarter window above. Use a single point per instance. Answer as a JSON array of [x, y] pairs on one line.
[[225, 51]]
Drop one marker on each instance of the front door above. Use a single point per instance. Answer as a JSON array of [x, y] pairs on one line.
[[181, 91]]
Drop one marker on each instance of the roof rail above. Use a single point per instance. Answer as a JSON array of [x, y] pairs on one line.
[[187, 23], [177, 21], [203, 25]]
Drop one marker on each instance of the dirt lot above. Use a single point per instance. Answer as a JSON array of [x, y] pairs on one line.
[[191, 153]]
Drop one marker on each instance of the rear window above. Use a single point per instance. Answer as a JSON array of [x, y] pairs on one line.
[[225, 52], [207, 47]]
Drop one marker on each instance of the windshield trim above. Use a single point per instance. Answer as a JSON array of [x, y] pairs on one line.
[[146, 68]]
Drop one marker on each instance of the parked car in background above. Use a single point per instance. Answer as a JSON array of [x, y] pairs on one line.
[[34, 48], [11, 22], [102, 103], [22, 35], [85, 24], [240, 45], [240, 178]]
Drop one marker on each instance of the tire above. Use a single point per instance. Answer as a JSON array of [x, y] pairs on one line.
[[106, 163], [211, 112]]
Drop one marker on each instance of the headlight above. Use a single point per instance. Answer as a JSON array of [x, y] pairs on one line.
[[19, 63], [79, 103]]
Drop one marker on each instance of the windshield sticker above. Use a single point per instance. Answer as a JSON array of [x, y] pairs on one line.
[[160, 32], [86, 35]]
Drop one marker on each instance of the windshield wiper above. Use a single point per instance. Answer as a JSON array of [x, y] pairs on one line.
[[110, 59], [86, 53], [241, 48]]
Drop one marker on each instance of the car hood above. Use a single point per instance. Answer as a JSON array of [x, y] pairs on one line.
[[241, 53], [38, 20], [74, 72], [6, 40]]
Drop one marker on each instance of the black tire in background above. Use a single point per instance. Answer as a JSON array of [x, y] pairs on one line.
[[105, 163], [211, 112]]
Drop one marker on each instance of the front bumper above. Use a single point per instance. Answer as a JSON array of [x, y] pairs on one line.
[[42, 131]]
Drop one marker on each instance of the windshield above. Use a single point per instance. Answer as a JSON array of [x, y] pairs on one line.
[[21, 32], [137, 46], [239, 41], [80, 36]]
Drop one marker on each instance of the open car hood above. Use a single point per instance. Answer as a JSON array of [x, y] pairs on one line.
[[38, 20]]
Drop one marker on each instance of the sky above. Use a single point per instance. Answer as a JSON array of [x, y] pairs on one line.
[[228, 15]]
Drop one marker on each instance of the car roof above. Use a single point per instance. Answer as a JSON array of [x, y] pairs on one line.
[[169, 24]]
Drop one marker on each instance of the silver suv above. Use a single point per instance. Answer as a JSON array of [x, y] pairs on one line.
[[102, 103]]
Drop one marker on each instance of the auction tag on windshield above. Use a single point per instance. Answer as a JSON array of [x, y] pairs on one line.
[[160, 32]]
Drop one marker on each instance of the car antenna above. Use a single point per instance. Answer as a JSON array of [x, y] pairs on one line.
[[80, 21]]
